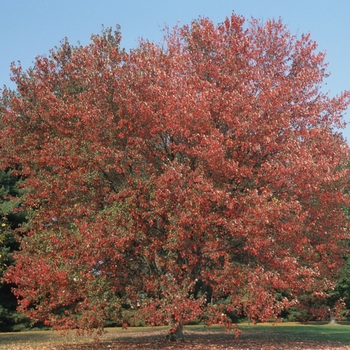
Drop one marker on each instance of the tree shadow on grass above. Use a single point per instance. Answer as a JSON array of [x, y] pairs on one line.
[[207, 340], [252, 338]]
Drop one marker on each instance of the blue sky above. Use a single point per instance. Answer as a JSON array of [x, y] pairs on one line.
[[32, 27]]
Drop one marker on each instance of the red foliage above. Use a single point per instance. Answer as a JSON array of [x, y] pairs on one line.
[[196, 178]]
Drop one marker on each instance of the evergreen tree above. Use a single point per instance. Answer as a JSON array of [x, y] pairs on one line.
[[11, 218]]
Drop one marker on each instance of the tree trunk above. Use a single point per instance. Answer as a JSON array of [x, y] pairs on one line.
[[175, 331], [332, 321]]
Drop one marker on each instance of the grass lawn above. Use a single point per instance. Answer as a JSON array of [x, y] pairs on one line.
[[291, 331], [311, 336]]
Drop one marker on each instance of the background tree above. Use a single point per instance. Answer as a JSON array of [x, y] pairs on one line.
[[11, 218], [203, 175]]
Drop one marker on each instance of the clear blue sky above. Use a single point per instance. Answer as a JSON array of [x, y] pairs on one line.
[[32, 27]]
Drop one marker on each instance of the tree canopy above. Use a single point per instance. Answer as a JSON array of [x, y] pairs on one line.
[[191, 179]]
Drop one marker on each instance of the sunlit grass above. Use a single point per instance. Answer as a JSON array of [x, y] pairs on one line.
[[320, 332], [37, 339]]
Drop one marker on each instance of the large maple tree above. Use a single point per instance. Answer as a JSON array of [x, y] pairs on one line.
[[192, 179]]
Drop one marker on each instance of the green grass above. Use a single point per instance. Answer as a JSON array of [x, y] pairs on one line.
[[35, 339], [45, 339], [282, 332], [297, 332], [291, 331]]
